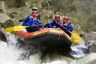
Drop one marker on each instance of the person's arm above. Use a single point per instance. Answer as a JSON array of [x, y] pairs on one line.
[[51, 24], [25, 21], [64, 29], [46, 25], [36, 23], [69, 27], [40, 24]]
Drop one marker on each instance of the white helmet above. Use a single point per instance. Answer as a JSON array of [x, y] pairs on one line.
[[34, 8]]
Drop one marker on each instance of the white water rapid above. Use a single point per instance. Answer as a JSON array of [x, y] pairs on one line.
[[10, 54]]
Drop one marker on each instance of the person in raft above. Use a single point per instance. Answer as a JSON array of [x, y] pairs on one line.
[[33, 22], [57, 23], [35, 9], [66, 23]]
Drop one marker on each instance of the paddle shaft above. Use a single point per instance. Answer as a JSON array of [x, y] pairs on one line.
[[64, 29]]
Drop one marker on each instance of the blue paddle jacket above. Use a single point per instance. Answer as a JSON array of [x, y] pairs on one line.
[[34, 25], [28, 21], [69, 26], [59, 25]]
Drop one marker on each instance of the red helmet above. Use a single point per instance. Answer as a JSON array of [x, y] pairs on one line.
[[66, 18], [57, 17]]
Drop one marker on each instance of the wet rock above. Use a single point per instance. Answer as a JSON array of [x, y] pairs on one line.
[[18, 13], [90, 40], [2, 7], [92, 62], [3, 17], [12, 14], [2, 36], [90, 36], [8, 23], [14, 3]]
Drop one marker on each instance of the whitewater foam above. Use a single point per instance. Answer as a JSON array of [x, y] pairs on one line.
[[10, 54]]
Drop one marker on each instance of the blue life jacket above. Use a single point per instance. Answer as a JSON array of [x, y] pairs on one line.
[[34, 24], [69, 27], [30, 22], [66, 29], [53, 24]]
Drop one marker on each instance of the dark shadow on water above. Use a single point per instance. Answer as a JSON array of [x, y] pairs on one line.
[[54, 53], [51, 46]]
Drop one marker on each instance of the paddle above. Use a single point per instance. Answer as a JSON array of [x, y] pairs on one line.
[[75, 37], [15, 28], [18, 28]]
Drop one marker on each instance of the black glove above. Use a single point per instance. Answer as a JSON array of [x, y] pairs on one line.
[[32, 28], [46, 25]]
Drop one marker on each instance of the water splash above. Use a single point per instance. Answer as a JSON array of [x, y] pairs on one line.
[[9, 54]]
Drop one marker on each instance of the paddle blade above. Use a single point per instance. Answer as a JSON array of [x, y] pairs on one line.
[[9, 29], [76, 38], [15, 28], [19, 28]]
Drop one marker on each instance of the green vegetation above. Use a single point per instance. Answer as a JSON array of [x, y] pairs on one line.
[[81, 12]]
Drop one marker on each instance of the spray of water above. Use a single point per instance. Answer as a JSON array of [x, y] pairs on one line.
[[10, 54]]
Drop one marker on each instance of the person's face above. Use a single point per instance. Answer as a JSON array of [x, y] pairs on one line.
[[35, 14], [65, 20], [57, 19]]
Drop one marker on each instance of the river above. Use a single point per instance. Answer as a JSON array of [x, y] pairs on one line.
[[10, 54]]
